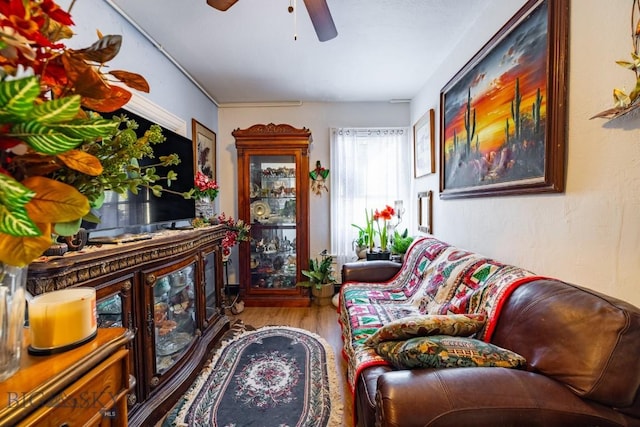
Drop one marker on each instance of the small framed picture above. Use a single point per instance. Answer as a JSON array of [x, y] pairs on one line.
[[425, 210], [204, 149], [423, 144]]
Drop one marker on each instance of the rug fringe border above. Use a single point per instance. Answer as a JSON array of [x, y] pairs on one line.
[[337, 407]]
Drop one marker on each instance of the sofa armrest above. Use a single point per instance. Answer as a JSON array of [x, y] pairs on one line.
[[482, 397], [369, 271]]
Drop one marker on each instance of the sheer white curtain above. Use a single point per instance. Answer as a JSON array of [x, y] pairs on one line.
[[370, 168]]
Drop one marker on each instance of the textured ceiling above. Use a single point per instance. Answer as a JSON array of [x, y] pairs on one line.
[[385, 49]]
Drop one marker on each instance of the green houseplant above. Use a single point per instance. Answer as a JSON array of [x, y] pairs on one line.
[[366, 234], [361, 243], [401, 242], [321, 279]]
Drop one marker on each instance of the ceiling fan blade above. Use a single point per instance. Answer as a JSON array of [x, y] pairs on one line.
[[321, 19], [221, 4]]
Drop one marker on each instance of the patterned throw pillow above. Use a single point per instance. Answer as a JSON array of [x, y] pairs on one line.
[[442, 351], [432, 324]]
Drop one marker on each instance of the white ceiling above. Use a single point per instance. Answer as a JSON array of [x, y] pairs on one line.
[[385, 49]]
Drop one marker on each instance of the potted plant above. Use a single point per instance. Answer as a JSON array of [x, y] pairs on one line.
[[401, 243], [383, 216], [321, 280], [361, 243], [366, 235]]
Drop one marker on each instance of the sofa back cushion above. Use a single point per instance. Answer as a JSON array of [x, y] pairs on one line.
[[586, 340]]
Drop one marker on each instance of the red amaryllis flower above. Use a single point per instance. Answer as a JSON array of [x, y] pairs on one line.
[[385, 215]]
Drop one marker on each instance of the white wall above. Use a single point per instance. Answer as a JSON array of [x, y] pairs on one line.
[[170, 89], [590, 234], [319, 118]]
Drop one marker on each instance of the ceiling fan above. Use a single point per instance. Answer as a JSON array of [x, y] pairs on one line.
[[318, 12]]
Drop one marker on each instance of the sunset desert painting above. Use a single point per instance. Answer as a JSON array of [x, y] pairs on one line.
[[495, 111]]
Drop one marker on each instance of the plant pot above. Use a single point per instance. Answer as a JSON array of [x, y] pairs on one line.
[[377, 256], [361, 251], [323, 295]]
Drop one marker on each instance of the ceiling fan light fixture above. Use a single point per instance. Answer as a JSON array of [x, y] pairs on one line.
[[321, 19], [318, 12]]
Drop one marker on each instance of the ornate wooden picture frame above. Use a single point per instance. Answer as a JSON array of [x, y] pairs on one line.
[[503, 115], [204, 149]]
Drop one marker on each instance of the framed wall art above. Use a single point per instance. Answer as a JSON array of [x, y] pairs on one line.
[[503, 115], [424, 144], [204, 149], [425, 208]]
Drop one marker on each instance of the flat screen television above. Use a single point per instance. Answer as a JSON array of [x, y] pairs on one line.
[[131, 213]]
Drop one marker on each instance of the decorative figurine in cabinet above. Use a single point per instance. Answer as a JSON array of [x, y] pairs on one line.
[[273, 192]]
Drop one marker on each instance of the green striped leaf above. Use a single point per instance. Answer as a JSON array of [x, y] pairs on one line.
[[17, 97], [57, 110], [45, 139], [13, 195], [97, 128], [67, 228], [16, 223]]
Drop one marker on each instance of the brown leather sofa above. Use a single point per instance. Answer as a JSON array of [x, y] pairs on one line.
[[583, 366]]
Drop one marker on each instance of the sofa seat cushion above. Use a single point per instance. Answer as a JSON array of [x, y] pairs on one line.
[[425, 325], [444, 351]]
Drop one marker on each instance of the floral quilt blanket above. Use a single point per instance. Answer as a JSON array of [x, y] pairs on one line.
[[436, 278]]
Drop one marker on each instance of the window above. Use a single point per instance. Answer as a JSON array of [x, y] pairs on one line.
[[371, 168]]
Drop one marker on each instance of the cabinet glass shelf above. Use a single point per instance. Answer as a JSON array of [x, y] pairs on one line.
[[174, 315]]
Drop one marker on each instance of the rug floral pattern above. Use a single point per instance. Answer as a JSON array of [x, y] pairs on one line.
[[270, 377], [268, 380]]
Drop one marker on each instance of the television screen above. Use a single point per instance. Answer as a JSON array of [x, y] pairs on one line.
[[130, 211]]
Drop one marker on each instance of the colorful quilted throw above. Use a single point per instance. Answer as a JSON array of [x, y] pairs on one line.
[[436, 278]]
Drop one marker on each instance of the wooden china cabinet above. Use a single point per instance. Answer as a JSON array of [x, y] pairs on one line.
[[273, 192]]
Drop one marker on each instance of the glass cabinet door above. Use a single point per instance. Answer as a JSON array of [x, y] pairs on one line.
[[110, 312], [210, 288], [273, 195], [174, 315], [113, 304], [273, 218]]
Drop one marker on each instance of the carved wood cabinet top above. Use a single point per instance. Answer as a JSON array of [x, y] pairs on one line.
[[283, 133], [98, 262]]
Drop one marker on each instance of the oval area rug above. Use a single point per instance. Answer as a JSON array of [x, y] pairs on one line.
[[273, 376]]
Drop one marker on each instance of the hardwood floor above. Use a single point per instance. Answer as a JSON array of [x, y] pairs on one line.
[[320, 320]]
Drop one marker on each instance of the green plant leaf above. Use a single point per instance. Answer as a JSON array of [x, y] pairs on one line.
[[44, 139], [14, 195], [17, 97], [626, 64], [67, 228], [635, 92], [16, 222], [98, 128], [57, 110], [98, 201]]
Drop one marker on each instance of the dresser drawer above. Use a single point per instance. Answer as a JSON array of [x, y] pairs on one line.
[[96, 399]]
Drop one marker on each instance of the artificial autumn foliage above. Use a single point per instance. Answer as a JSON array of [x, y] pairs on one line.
[[56, 157]]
